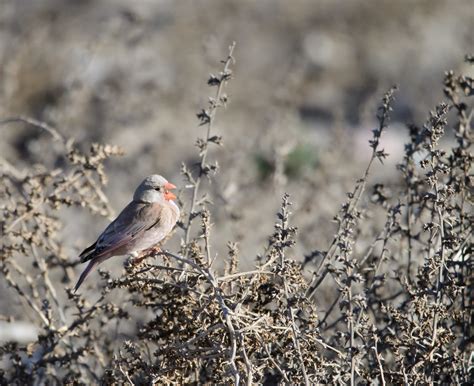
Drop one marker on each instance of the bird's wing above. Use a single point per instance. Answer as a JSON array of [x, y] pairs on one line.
[[132, 222]]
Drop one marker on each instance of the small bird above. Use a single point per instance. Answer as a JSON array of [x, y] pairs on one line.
[[143, 223]]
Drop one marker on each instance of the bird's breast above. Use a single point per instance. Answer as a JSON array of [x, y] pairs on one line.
[[166, 217]]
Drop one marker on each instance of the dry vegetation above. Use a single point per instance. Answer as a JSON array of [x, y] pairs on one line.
[[401, 293]]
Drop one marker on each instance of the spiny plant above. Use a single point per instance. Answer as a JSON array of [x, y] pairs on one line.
[[402, 295]]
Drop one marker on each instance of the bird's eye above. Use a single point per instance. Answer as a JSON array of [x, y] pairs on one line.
[[158, 188]]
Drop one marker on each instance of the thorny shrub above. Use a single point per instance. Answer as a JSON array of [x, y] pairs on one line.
[[402, 307]]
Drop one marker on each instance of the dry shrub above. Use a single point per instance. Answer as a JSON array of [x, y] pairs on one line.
[[402, 307]]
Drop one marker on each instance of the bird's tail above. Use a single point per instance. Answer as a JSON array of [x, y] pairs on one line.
[[88, 253], [84, 274]]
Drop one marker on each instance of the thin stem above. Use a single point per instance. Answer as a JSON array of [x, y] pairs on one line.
[[440, 278], [42, 125], [210, 117], [351, 333]]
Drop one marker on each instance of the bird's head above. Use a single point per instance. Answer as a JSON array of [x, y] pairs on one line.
[[154, 188]]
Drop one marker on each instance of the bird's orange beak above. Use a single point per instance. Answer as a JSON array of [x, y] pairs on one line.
[[168, 195]]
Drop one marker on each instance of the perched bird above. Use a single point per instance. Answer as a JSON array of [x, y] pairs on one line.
[[143, 223]]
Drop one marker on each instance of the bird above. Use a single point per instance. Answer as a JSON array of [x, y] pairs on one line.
[[142, 224]]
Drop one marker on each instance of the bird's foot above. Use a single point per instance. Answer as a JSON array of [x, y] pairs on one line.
[[144, 254], [156, 250]]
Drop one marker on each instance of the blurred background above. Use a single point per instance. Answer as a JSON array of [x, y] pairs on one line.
[[308, 78]]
